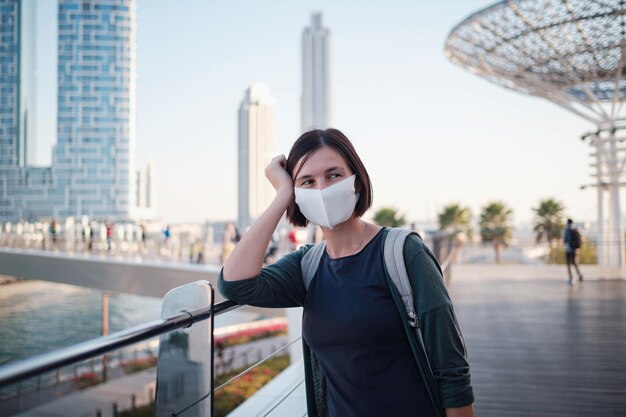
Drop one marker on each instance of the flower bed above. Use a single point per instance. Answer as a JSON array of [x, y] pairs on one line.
[[250, 334], [140, 364], [85, 380], [235, 393]]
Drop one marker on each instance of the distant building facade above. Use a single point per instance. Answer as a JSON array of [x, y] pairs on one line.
[[19, 181], [145, 204], [256, 147], [92, 170], [316, 92]]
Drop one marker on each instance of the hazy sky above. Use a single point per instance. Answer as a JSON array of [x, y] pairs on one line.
[[429, 132]]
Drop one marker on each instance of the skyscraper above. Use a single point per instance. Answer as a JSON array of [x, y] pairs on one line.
[[17, 82], [256, 149], [316, 100], [18, 181], [92, 170], [145, 207], [94, 156]]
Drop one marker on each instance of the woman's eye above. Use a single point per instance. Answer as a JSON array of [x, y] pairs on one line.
[[307, 182], [333, 176]]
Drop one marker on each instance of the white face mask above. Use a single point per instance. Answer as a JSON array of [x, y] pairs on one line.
[[328, 207]]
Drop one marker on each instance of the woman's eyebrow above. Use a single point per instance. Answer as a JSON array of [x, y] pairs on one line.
[[302, 177]]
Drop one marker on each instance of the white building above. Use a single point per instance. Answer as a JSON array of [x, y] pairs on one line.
[[256, 148], [145, 203], [316, 100]]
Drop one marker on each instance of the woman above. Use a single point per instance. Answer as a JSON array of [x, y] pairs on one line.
[[359, 360]]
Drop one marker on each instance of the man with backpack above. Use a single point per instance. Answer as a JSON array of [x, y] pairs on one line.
[[573, 242]]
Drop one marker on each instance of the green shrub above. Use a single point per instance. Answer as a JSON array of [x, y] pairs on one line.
[[141, 411], [587, 255]]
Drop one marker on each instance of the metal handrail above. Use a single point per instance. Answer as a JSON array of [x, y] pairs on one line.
[[26, 368]]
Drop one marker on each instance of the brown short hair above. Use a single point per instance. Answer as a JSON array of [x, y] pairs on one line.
[[311, 141]]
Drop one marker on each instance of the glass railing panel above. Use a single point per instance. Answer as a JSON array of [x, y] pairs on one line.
[[185, 363]]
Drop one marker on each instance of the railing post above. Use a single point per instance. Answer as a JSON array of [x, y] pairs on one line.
[[115, 412], [105, 331]]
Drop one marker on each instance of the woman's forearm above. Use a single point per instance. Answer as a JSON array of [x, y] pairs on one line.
[[246, 260], [467, 411]]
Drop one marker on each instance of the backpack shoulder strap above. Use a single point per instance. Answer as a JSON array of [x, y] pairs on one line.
[[310, 261], [394, 261]]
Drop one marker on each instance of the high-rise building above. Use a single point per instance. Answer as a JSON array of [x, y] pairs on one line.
[[18, 181], [315, 100], [17, 82], [94, 158], [256, 149], [145, 205], [92, 170]]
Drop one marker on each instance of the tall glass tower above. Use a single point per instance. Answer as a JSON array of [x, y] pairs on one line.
[[257, 142], [17, 103], [316, 100], [94, 156], [17, 82], [9, 85]]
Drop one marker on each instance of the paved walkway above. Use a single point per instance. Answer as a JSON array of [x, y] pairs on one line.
[[538, 347], [101, 398]]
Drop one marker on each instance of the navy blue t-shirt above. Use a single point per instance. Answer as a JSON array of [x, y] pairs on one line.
[[352, 325]]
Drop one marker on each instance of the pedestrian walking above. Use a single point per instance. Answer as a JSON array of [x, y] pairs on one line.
[[143, 235], [109, 231], [573, 242]]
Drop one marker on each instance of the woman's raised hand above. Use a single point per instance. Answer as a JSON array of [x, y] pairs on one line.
[[246, 260], [277, 173]]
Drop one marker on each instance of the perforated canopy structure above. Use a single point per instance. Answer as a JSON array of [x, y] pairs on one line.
[[571, 52]]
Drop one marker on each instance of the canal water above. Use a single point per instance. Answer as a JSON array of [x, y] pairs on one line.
[[40, 316]]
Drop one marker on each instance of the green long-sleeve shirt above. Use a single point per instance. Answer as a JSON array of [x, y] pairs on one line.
[[281, 285]]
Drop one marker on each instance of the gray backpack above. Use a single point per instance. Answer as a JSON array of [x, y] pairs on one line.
[[396, 268]]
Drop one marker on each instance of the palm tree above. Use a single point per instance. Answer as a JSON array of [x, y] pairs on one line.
[[456, 219], [495, 225], [549, 222], [388, 216]]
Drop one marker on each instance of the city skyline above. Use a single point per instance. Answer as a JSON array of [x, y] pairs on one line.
[[451, 136]]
